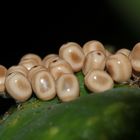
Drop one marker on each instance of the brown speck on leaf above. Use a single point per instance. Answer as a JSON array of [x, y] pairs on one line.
[[49, 107]]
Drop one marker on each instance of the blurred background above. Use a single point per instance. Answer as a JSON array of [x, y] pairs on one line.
[[42, 29]]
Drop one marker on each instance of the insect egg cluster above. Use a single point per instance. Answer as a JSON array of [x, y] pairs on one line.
[[54, 75]]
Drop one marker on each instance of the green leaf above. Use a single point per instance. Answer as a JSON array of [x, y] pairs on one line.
[[83, 90], [113, 114]]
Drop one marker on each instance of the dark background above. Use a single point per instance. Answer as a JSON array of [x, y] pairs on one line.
[[42, 29]]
